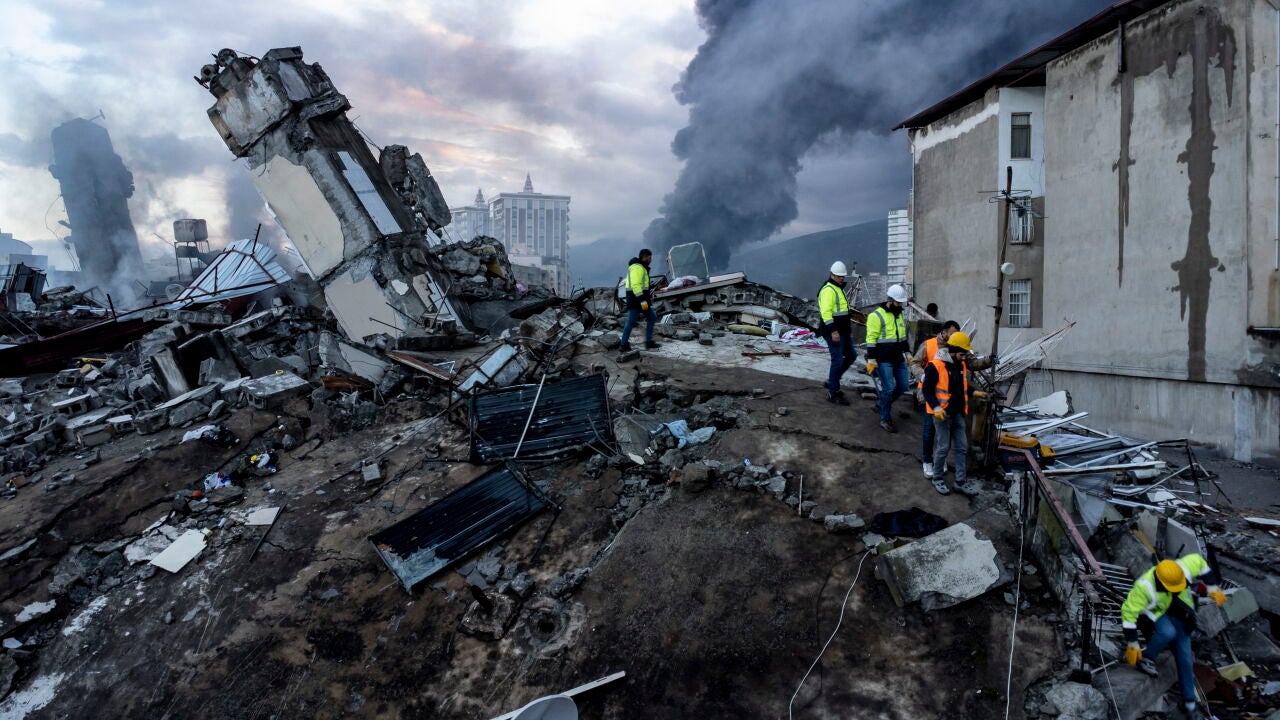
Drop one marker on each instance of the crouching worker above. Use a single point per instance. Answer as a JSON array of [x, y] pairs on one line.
[[1160, 606]]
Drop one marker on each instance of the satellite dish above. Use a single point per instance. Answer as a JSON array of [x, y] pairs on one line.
[[173, 290]]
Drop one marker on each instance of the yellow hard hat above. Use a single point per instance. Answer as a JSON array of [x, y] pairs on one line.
[[960, 340], [1171, 576]]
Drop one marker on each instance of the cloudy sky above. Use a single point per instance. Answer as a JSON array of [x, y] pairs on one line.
[[576, 92]]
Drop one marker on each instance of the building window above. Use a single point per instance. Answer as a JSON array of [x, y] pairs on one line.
[[1020, 136], [1020, 224], [1019, 303]]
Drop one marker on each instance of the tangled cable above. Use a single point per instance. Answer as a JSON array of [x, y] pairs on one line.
[[844, 603]]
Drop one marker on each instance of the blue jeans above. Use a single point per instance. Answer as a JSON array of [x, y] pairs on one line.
[[842, 356], [1170, 632], [926, 436], [951, 433], [634, 315], [893, 383]]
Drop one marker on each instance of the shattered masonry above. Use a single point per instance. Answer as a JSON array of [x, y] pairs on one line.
[[359, 223]]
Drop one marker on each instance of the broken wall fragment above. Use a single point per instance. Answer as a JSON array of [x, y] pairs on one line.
[[359, 224]]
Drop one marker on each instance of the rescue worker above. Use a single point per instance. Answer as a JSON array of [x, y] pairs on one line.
[[887, 353], [639, 295], [924, 354], [1161, 606], [946, 399], [836, 329]]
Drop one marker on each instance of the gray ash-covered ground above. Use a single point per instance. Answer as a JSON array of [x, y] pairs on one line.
[[714, 602]]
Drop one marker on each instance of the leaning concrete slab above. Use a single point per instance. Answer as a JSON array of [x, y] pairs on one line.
[[942, 569]]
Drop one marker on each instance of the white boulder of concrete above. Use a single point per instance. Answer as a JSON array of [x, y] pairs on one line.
[[943, 569]]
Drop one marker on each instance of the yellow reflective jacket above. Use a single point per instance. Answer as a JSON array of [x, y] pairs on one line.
[[1145, 599], [832, 303], [637, 278], [887, 336]]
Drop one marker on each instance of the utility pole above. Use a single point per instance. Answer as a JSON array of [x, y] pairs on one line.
[[1003, 200]]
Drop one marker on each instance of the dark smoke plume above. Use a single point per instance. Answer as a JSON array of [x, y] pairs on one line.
[[774, 78]]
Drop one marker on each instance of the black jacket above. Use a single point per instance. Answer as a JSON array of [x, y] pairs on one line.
[[955, 381]]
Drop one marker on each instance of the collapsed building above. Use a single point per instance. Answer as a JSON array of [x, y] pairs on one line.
[[359, 223], [396, 485], [96, 187]]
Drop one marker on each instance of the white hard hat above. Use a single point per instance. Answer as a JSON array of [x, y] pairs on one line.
[[897, 293], [838, 268]]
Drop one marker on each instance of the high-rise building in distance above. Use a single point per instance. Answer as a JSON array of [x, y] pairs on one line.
[[535, 230], [471, 220]]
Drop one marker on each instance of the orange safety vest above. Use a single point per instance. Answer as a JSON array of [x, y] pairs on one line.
[[943, 391], [930, 348]]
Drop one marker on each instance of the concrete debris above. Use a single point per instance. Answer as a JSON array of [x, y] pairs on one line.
[[180, 551], [354, 389], [942, 569], [696, 477], [843, 523], [1076, 701]]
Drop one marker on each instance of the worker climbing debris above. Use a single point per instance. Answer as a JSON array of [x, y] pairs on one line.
[[1162, 608]]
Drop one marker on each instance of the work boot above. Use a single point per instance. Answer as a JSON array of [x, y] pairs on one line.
[[650, 345], [966, 487], [940, 485], [837, 398], [624, 348], [928, 469], [1148, 667], [888, 426]]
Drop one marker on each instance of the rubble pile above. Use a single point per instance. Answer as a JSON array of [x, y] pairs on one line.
[[406, 484], [1133, 502], [28, 310]]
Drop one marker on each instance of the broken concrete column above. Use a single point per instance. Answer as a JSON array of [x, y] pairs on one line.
[[359, 224]]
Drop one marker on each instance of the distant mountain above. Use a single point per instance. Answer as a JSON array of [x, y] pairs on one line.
[[797, 266], [601, 263]]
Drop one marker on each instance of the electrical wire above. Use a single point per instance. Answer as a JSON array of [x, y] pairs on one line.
[[1107, 673], [843, 604], [1017, 603]]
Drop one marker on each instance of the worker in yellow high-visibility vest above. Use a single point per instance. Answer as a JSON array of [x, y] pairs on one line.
[[639, 297], [1161, 606], [837, 329], [887, 352]]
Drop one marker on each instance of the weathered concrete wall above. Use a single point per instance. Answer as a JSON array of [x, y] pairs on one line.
[[1239, 421], [1160, 238], [955, 227], [1028, 173], [1146, 178], [1158, 194]]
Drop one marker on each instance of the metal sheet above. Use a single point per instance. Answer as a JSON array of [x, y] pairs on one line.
[[463, 521], [569, 414], [245, 267]]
